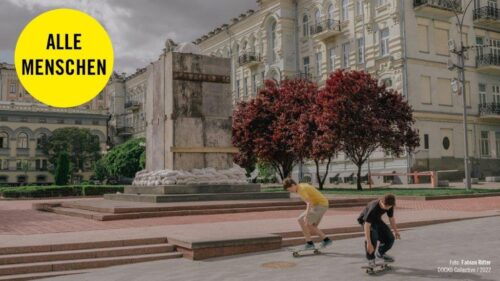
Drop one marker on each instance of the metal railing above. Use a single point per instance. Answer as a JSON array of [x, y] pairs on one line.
[[487, 60], [486, 12], [248, 57], [304, 75], [326, 25], [489, 109], [453, 5]]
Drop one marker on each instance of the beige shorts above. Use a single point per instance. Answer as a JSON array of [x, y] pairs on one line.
[[315, 215]]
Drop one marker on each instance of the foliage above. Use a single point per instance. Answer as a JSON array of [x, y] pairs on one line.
[[122, 160], [366, 116], [266, 173], [58, 191], [266, 127], [81, 146], [62, 171]]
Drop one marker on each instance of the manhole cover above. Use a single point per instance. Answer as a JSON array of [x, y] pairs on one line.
[[279, 265]]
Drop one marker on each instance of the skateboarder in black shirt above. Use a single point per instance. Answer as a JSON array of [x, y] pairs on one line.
[[376, 230]]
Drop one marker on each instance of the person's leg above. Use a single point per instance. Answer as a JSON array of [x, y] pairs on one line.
[[315, 230], [374, 240], [305, 227], [386, 239]]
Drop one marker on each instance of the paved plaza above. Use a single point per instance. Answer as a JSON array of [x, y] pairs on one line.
[[419, 255]]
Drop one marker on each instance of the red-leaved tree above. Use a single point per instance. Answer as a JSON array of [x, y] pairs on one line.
[[267, 127], [365, 116]]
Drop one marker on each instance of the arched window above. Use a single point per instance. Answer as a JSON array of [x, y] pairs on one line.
[[4, 140], [330, 16], [274, 41], [22, 140], [39, 140], [305, 25], [345, 10], [317, 17]]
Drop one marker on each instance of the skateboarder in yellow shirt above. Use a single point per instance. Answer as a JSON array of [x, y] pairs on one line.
[[317, 205]]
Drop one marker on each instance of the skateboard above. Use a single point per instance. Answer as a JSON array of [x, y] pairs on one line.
[[296, 252], [378, 268]]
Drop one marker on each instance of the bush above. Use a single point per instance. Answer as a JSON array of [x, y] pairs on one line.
[[62, 172], [58, 191]]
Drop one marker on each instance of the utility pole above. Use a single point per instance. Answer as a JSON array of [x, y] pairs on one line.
[[460, 53]]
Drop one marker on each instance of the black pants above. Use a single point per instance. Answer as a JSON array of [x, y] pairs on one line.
[[380, 232]]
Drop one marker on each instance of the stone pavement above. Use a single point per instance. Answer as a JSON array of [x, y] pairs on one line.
[[419, 255], [21, 226]]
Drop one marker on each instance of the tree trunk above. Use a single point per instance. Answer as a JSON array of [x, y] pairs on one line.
[[321, 179], [318, 177], [359, 177]]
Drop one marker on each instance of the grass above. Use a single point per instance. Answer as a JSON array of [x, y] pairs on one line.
[[397, 191]]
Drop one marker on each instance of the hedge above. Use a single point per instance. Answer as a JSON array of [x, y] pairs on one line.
[[58, 191]]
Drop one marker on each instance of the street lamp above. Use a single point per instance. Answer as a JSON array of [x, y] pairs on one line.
[[459, 84]]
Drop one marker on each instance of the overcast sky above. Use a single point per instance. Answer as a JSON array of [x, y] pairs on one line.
[[138, 28]]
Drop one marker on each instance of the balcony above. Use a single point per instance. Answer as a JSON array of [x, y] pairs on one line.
[[487, 17], [133, 105], [439, 8], [488, 63], [125, 131], [325, 30], [304, 75], [489, 111], [249, 59]]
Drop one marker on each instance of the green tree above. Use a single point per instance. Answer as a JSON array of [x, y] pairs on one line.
[[81, 146], [62, 171], [100, 171], [266, 172], [124, 159]]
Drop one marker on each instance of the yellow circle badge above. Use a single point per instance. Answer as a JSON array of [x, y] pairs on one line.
[[64, 58]]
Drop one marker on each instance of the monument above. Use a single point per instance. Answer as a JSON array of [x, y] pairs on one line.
[[189, 155]]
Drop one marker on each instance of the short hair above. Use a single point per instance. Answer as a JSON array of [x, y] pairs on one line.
[[390, 200], [287, 183]]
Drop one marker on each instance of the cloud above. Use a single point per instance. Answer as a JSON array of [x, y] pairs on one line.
[[138, 29]]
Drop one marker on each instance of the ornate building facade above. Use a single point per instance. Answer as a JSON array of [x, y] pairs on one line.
[[404, 44], [23, 123]]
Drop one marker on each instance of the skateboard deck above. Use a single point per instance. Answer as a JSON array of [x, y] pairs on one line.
[[378, 268], [300, 252]]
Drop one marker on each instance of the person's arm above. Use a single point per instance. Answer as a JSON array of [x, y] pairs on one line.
[[394, 227], [369, 246]]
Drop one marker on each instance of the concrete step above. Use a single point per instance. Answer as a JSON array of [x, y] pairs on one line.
[[295, 241], [153, 198], [81, 245], [106, 216], [81, 264], [86, 254], [40, 275]]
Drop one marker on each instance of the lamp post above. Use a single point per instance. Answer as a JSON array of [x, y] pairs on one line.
[[460, 53]]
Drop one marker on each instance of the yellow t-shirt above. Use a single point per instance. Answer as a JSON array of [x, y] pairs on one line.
[[311, 194]]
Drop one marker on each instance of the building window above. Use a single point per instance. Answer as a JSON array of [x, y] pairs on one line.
[[12, 88], [384, 42], [485, 144], [359, 7], [42, 120], [330, 13], [40, 140], [245, 87], [274, 42], [387, 82], [262, 78], [306, 65], [346, 49], [22, 165], [22, 140], [238, 89], [305, 26], [4, 164], [361, 50], [4, 140], [446, 143], [24, 119], [319, 58], [95, 122], [482, 94], [4, 118], [331, 59], [426, 141], [254, 84], [497, 142], [60, 121], [381, 2], [345, 10], [496, 94]]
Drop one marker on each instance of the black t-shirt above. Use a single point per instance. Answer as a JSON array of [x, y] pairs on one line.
[[373, 213]]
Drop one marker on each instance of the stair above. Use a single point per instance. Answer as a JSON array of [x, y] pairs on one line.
[[117, 211], [28, 263]]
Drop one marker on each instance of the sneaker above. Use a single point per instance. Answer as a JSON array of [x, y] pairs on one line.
[[325, 243], [371, 263], [308, 247], [385, 257]]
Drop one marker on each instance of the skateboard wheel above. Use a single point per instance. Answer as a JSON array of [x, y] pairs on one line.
[[295, 254], [316, 252]]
